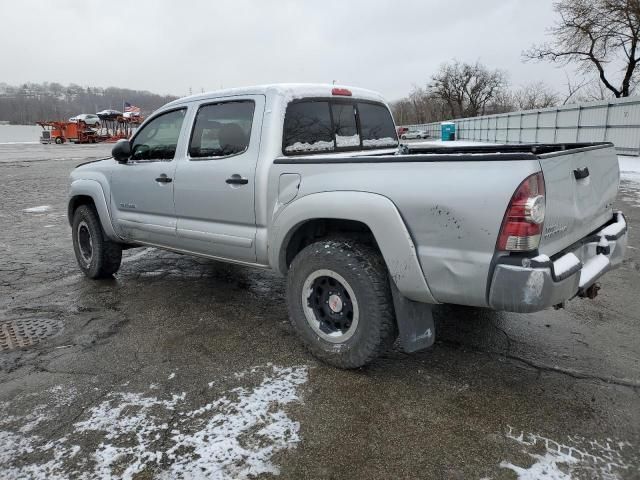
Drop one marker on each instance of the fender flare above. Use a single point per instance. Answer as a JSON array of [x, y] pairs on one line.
[[93, 189], [374, 210]]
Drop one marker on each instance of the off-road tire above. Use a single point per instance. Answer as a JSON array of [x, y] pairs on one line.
[[364, 269], [106, 255]]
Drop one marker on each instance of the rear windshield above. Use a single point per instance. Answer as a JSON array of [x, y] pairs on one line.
[[377, 126], [336, 125]]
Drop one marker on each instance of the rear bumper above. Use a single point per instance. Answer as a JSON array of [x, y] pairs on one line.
[[523, 284]]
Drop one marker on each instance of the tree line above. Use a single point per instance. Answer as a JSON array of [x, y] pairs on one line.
[[599, 39], [31, 102], [460, 90]]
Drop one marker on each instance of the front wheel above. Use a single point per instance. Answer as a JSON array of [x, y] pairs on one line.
[[97, 256], [340, 303]]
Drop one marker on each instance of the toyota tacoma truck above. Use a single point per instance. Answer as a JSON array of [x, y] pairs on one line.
[[311, 182]]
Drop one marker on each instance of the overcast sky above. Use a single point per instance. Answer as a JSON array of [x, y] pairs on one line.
[[169, 46]]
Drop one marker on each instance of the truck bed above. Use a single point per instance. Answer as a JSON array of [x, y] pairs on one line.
[[453, 199], [420, 153]]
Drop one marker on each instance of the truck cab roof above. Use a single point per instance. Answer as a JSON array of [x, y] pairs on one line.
[[288, 91]]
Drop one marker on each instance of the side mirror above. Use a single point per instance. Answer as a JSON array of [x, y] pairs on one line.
[[121, 151]]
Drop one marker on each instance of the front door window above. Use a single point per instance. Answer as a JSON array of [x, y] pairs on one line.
[[158, 139]]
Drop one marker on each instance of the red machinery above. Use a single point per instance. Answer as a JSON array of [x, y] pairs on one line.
[[111, 130], [61, 132]]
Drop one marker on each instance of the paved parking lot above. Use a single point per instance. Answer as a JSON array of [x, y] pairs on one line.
[[183, 368]]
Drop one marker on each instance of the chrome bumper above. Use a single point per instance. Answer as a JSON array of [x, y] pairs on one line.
[[524, 284]]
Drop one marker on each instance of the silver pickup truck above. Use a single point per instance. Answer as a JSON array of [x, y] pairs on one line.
[[310, 181]]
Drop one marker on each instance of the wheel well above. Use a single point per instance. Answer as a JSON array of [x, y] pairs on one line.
[[312, 230], [76, 202]]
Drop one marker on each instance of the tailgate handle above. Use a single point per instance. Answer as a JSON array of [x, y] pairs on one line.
[[581, 173]]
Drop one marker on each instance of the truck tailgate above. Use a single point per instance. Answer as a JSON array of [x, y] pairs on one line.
[[581, 186]]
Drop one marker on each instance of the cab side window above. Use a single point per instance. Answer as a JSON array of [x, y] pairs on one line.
[[158, 139], [308, 127], [222, 129]]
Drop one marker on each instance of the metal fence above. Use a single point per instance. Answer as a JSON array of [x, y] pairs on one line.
[[616, 121]]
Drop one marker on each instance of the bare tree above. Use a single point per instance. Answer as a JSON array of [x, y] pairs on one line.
[[599, 36], [533, 96], [573, 87], [420, 106], [465, 88]]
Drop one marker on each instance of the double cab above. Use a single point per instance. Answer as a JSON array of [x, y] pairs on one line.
[[311, 181]]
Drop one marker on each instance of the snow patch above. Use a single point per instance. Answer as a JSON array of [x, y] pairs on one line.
[[219, 449], [566, 263], [559, 461], [630, 176], [546, 467], [380, 142], [593, 268], [40, 209], [629, 167], [615, 228], [319, 146], [542, 258], [233, 436], [348, 141]]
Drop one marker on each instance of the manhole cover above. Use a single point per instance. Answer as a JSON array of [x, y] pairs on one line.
[[26, 332]]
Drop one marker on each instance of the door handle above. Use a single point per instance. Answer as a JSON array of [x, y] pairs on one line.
[[581, 173], [236, 179], [164, 179]]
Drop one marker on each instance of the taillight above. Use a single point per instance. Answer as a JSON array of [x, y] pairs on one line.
[[522, 224], [343, 92]]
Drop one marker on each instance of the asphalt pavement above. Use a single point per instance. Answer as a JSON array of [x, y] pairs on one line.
[[181, 367]]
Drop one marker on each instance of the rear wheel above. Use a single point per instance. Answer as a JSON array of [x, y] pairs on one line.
[[340, 302], [97, 256], [59, 140]]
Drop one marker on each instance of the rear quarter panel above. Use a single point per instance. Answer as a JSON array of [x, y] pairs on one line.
[[453, 211]]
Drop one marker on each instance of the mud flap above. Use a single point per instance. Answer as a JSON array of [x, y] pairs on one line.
[[415, 322]]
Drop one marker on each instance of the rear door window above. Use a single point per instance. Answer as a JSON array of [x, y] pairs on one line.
[[376, 126], [222, 129], [307, 127]]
